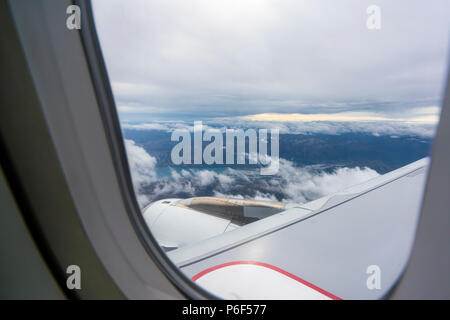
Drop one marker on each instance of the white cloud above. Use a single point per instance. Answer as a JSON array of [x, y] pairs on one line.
[[167, 188], [219, 194], [175, 175], [292, 184], [147, 185], [142, 168], [426, 115], [207, 177], [185, 173], [146, 126], [302, 184], [399, 128], [428, 110]]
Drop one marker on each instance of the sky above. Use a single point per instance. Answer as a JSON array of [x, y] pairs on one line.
[[275, 60]]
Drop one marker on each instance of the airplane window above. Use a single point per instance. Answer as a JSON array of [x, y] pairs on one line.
[[279, 149]]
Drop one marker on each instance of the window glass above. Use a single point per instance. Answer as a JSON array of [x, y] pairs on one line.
[[262, 135]]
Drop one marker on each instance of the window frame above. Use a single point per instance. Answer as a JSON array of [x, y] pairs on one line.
[[108, 111]]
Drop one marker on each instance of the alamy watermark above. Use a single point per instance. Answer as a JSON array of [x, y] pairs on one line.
[[74, 279], [73, 21], [234, 148], [374, 19], [373, 281]]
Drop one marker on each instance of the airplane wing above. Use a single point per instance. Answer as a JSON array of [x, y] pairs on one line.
[[353, 244]]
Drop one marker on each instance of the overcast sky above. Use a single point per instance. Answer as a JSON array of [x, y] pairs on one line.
[[195, 59]]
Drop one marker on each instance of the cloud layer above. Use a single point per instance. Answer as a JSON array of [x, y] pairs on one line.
[[291, 184], [391, 128], [209, 58]]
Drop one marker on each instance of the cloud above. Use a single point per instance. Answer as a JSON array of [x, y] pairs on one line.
[[390, 128], [302, 184], [426, 115], [212, 58], [291, 184], [147, 126], [298, 117], [166, 126], [258, 196], [207, 177], [148, 186], [427, 110], [142, 168]]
